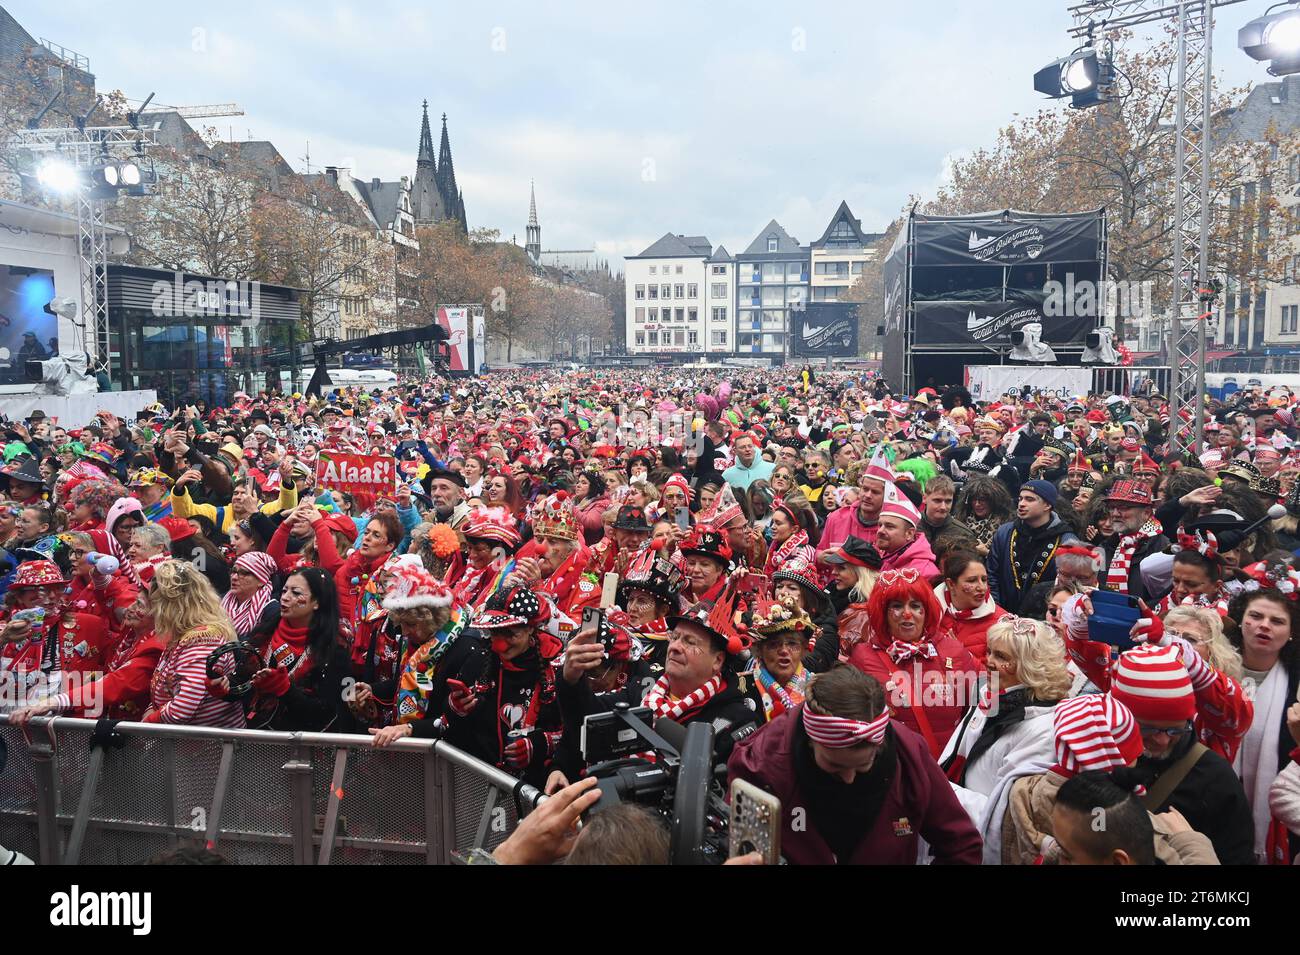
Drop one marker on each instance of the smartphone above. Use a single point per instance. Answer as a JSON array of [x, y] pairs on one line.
[[750, 584], [1112, 618], [755, 822], [683, 517]]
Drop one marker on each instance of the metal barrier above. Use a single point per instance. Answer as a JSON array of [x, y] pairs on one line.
[[254, 796]]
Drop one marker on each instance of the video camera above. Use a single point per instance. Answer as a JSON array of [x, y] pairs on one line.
[[680, 782]]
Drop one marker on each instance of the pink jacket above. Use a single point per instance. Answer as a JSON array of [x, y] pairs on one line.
[[917, 556]]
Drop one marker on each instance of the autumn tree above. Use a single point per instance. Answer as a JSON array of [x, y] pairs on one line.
[[310, 235]]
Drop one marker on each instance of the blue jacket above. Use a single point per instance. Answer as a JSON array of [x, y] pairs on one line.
[[1032, 545]]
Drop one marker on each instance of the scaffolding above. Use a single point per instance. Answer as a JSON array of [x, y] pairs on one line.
[[1193, 296]]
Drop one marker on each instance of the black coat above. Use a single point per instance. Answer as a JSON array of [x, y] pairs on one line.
[[1213, 801], [484, 731], [1145, 548]]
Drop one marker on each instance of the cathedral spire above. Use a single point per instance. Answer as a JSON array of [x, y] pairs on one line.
[[533, 233], [426, 139]]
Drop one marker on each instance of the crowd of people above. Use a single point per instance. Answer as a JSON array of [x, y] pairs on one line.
[[891, 610]]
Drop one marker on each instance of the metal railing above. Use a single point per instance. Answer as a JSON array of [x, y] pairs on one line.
[[66, 796]]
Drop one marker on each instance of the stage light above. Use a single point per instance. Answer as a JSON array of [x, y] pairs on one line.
[[106, 174], [1085, 76], [130, 174], [1274, 37], [57, 175]]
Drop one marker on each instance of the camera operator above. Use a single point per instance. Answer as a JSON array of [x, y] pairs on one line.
[[868, 784], [602, 667]]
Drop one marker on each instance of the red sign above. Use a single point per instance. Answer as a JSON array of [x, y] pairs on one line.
[[364, 476]]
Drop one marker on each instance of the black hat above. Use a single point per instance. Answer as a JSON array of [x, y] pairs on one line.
[[445, 474], [707, 540], [23, 468], [654, 574], [37, 415], [857, 552], [631, 518]]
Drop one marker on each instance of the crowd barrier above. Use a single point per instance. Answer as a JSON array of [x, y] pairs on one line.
[[69, 795]]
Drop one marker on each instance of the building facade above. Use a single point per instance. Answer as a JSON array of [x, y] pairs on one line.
[[666, 287], [772, 278], [840, 255]]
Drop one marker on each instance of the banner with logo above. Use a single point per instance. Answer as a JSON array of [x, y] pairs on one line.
[[994, 241], [825, 330], [364, 476], [991, 323], [455, 322], [991, 382]]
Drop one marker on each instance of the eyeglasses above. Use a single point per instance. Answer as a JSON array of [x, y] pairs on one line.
[[1173, 732]]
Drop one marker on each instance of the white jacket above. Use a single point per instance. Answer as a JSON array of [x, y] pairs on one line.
[[1284, 798]]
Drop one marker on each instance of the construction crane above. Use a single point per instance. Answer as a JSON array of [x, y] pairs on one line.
[[197, 112]]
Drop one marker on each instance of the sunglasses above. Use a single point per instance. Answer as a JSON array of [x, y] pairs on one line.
[[1173, 732]]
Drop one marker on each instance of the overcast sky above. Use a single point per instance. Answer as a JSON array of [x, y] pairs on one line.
[[634, 120]]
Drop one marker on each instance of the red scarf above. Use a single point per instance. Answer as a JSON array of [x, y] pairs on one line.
[[789, 547], [1117, 575], [287, 648], [663, 705]]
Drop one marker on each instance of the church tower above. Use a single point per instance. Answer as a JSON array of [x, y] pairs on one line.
[[533, 236], [426, 196]]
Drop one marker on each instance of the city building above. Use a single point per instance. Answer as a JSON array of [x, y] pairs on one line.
[[772, 277], [665, 288], [839, 256]]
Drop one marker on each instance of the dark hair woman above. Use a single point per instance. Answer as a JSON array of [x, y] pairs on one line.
[[301, 686], [1268, 623], [591, 501], [968, 607]]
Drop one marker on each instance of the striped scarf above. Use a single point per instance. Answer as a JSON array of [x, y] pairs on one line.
[[777, 698], [1117, 575], [663, 705], [245, 614]]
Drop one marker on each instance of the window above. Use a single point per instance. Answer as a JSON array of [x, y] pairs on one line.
[[692, 290], [718, 290], [640, 316], [654, 338], [665, 291], [679, 291], [693, 339], [654, 314], [857, 267], [771, 243], [679, 338], [639, 293], [1290, 319], [679, 270], [692, 315], [652, 270], [719, 314], [640, 339], [717, 337], [773, 272], [719, 270], [654, 291], [681, 315]]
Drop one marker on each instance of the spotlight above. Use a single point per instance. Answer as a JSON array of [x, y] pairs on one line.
[[130, 174], [106, 175], [1274, 37], [1085, 76], [57, 175]]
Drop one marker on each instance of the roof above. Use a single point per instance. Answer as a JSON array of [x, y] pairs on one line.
[[1250, 120], [785, 243], [383, 198], [258, 154], [175, 133], [677, 247], [720, 255], [844, 213]]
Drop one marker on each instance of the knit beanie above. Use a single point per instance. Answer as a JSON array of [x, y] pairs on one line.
[[1044, 489], [1094, 731], [1153, 683]]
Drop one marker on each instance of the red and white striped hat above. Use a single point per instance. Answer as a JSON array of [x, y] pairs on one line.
[[1094, 732], [897, 505], [1153, 683], [878, 468]]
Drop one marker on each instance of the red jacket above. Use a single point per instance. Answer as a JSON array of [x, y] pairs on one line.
[[1223, 712], [970, 627], [946, 684], [123, 692], [110, 602], [920, 802]]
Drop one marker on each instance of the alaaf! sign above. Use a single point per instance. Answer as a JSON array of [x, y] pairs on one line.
[[364, 476]]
